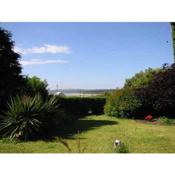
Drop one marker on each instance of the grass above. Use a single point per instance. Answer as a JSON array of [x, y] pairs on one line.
[[97, 135]]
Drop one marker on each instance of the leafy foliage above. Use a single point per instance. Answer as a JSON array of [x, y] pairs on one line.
[[160, 93], [173, 36], [22, 121], [34, 85], [141, 79], [122, 104], [30, 118], [111, 104], [164, 120], [82, 106], [53, 116], [150, 92], [10, 69]]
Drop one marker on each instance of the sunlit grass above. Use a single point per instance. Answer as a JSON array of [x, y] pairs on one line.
[[97, 135]]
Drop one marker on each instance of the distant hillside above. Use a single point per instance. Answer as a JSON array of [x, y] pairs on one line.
[[84, 91]]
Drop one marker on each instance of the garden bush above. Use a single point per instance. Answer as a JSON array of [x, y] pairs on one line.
[[21, 121], [165, 120], [150, 92], [31, 118], [111, 104], [123, 103], [159, 95], [82, 106], [141, 79]]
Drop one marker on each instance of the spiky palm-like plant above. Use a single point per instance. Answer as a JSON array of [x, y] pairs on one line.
[[22, 120]]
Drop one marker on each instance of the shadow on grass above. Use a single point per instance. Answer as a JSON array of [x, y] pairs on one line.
[[68, 131]]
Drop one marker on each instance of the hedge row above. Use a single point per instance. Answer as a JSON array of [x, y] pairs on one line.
[[149, 92], [82, 106]]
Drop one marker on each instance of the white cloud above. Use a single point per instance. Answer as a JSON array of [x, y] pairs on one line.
[[39, 62], [46, 48]]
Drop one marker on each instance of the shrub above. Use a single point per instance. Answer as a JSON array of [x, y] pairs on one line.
[[111, 104], [31, 118], [164, 120], [53, 116], [21, 121], [82, 106], [122, 104], [141, 79], [160, 93], [152, 91], [125, 103], [128, 105]]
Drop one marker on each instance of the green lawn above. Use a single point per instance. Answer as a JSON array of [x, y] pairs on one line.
[[97, 134]]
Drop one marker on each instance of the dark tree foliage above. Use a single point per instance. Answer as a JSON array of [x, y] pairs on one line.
[[159, 95], [173, 37], [80, 107], [11, 79], [34, 85], [124, 103]]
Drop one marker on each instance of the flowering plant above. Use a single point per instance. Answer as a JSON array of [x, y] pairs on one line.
[[149, 117]]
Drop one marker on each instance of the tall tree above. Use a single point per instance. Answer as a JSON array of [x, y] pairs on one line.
[[35, 85], [10, 70], [173, 38]]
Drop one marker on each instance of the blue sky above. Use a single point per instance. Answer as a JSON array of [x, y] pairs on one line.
[[90, 55]]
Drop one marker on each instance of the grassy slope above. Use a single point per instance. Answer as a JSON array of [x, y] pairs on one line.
[[97, 134]]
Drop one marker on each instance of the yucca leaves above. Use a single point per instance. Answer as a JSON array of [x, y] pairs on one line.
[[25, 116]]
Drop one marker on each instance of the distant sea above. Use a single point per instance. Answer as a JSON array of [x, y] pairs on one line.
[[80, 94]]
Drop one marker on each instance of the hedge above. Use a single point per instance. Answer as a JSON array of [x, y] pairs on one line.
[[82, 106]]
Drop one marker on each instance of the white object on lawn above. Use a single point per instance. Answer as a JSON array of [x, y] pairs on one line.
[[117, 143]]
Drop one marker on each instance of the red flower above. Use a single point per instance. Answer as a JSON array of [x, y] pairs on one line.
[[149, 117]]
